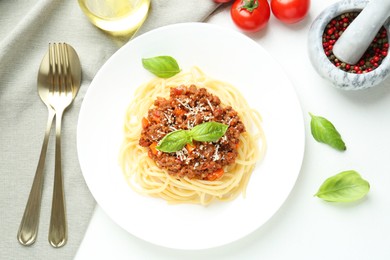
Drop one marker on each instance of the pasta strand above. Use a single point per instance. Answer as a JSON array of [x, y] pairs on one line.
[[145, 177]]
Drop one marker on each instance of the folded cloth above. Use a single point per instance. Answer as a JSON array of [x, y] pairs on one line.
[[26, 28]]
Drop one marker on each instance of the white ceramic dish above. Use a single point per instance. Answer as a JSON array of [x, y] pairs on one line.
[[223, 54]]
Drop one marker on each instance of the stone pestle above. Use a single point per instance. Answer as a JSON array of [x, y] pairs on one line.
[[355, 40]]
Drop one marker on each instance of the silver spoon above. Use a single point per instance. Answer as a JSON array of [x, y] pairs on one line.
[[28, 228]]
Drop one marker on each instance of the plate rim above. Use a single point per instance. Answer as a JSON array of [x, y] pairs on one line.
[[172, 27]]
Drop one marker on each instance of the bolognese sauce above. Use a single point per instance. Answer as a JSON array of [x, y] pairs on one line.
[[186, 107]]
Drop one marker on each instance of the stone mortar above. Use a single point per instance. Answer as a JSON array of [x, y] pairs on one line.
[[327, 70]]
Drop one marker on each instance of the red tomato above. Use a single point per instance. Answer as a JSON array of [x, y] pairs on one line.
[[250, 15], [222, 1], [290, 11]]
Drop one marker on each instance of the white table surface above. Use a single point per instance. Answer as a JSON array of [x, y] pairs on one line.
[[305, 227]]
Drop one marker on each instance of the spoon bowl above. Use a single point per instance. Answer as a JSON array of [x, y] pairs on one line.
[[45, 80]]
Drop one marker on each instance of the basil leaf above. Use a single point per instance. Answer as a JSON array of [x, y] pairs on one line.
[[208, 132], [174, 141], [161, 66], [324, 131], [346, 186]]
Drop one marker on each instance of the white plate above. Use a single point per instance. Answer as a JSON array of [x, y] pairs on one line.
[[222, 54]]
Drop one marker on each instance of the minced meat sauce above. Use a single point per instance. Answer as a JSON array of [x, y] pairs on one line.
[[186, 108]]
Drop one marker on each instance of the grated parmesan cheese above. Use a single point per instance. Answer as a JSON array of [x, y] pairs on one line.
[[207, 118], [196, 165], [216, 155], [172, 128], [182, 154], [169, 118], [211, 107], [192, 111]]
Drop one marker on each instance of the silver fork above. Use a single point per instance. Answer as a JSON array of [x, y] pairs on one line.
[[60, 97]]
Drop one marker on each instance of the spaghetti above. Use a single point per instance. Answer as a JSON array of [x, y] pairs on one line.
[[145, 177]]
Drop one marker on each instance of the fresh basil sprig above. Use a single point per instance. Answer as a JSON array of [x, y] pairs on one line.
[[206, 132], [345, 186], [325, 132], [174, 141], [161, 66]]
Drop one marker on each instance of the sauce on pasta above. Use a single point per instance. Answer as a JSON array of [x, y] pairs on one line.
[[185, 108], [246, 145]]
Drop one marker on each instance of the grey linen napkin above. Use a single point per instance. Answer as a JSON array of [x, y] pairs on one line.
[[26, 28]]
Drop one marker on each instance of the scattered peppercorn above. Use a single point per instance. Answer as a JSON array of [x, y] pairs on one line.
[[371, 59]]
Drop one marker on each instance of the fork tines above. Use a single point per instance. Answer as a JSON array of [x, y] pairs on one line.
[[59, 67]]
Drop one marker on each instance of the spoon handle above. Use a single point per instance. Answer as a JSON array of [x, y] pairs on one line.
[[58, 233], [28, 228]]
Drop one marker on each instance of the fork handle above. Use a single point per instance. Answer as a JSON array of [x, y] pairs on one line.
[[58, 233], [28, 228]]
